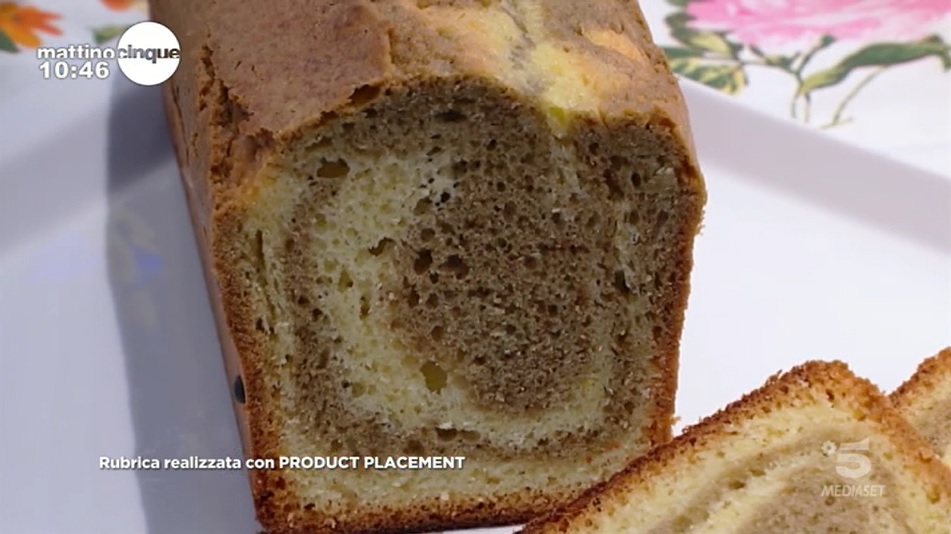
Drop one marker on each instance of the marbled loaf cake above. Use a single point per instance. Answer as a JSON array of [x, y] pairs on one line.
[[815, 450], [437, 228], [925, 401]]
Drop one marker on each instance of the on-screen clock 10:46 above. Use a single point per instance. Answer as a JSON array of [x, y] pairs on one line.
[[65, 70]]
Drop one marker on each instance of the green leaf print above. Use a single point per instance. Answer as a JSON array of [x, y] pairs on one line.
[[107, 33], [703, 41], [878, 55], [6, 45], [728, 78], [677, 52]]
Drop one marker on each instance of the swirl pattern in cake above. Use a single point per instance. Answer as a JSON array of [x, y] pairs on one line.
[[439, 229]]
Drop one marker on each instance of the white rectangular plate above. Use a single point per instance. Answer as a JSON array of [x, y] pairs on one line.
[[811, 250]]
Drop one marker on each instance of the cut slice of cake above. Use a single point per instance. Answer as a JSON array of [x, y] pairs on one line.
[[437, 228], [815, 450], [925, 401]]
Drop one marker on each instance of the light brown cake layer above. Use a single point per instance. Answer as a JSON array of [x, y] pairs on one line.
[[814, 450], [438, 228], [925, 401]]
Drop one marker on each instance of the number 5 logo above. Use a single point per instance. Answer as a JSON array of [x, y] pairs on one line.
[[852, 460]]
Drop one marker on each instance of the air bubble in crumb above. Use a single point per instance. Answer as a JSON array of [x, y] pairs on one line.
[[455, 264], [423, 260], [333, 169], [381, 246], [447, 434], [434, 376]]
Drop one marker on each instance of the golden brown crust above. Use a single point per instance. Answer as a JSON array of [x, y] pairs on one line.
[[241, 95], [834, 380], [262, 92], [928, 375], [925, 401]]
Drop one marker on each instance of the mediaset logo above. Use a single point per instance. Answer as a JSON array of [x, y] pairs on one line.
[[852, 462]]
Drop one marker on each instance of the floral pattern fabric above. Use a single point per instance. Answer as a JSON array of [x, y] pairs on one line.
[[22, 25], [839, 66], [720, 41]]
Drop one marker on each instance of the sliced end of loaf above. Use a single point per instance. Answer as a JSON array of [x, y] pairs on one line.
[[814, 450], [445, 272], [437, 228], [925, 401]]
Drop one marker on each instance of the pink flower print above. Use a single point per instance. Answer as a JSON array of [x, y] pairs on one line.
[[717, 41], [779, 26]]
